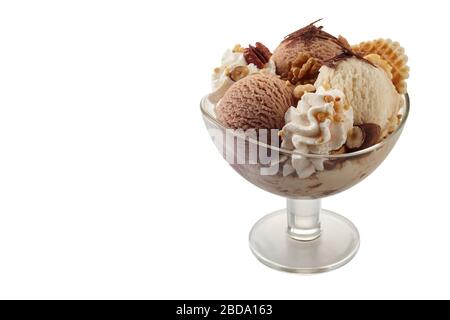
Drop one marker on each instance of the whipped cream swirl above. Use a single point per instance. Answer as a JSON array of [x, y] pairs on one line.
[[232, 58], [318, 125]]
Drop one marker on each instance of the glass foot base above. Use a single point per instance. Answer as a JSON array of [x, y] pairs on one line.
[[337, 244]]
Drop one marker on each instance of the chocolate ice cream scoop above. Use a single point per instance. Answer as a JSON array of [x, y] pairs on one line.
[[309, 40], [256, 102]]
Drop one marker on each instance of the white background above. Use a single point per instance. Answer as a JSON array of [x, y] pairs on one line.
[[111, 188]]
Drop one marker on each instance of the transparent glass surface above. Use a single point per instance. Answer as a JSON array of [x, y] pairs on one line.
[[303, 237]]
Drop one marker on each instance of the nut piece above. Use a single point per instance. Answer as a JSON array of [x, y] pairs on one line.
[[304, 69], [322, 116], [239, 73], [355, 138], [258, 55], [328, 98], [300, 90], [265, 52], [338, 118], [237, 48], [326, 85], [372, 134]]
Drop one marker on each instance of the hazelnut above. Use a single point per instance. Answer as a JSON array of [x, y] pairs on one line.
[[355, 138], [363, 136], [239, 73], [372, 133]]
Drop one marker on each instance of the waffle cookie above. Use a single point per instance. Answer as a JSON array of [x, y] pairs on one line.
[[391, 52]]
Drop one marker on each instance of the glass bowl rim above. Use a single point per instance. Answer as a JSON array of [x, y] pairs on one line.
[[391, 136]]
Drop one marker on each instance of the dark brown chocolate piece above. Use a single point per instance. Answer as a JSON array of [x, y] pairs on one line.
[[308, 33]]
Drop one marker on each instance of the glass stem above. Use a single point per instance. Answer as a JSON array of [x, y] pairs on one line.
[[303, 219]]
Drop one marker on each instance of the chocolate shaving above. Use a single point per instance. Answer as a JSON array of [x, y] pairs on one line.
[[311, 32], [346, 54], [344, 42]]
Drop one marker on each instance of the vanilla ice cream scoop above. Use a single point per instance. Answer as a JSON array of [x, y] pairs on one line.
[[318, 125], [368, 90]]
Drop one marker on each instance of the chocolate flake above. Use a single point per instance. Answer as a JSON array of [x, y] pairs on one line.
[[311, 32]]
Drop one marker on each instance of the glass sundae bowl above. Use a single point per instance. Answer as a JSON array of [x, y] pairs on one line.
[[303, 238]]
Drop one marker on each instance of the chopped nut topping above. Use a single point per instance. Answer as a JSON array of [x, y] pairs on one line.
[[216, 70], [337, 106], [322, 116], [338, 118], [238, 49], [328, 99]]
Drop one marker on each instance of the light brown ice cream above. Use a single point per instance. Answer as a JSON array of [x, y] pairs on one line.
[[368, 90], [256, 102], [311, 40]]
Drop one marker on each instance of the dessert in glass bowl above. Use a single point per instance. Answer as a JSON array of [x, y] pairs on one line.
[[308, 121]]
